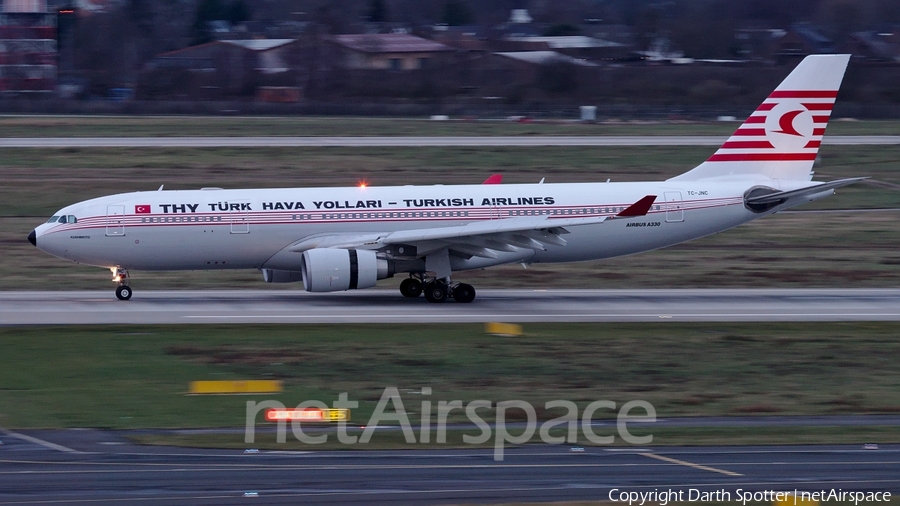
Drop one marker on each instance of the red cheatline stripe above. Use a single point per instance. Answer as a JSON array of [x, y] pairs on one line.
[[820, 119], [755, 120], [761, 132], [819, 106], [767, 106], [818, 131], [804, 94], [747, 145], [813, 144], [763, 157]]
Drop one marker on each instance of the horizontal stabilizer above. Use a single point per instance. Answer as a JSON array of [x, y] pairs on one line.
[[778, 197]]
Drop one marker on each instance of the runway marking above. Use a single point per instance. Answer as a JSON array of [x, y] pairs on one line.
[[41, 442], [146, 467], [141, 467], [690, 464]]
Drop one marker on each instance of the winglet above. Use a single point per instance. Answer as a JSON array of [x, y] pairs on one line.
[[494, 179], [639, 208]]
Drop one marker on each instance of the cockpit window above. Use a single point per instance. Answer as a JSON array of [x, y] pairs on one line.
[[63, 219]]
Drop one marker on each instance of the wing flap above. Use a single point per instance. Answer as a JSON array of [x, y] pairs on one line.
[[488, 227]]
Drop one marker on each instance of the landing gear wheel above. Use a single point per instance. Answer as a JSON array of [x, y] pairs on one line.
[[436, 292], [411, 287], [123, 292], [464, 293]]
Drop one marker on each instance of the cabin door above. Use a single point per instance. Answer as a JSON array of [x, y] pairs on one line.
[[115, 221]]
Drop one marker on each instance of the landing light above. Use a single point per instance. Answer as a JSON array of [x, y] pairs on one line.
[[117, 276]]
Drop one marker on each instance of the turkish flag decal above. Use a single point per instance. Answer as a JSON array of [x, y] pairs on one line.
[[142, 209]]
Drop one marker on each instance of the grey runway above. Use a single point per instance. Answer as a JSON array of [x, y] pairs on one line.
[[107, 469], [399, 141], [388, 306]]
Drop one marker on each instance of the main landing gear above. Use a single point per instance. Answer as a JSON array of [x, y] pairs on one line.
[[120, 276], [437, 290]]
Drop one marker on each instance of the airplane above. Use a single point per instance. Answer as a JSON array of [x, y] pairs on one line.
[[335, 239]]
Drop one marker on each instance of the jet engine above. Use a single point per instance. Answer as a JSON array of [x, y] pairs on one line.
[[332, 270]]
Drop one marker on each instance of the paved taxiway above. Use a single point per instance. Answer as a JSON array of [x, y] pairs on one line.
[[106, 469], [400, 141], [388, 306]]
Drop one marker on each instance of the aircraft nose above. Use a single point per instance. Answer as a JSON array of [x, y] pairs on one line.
[[32, 238]]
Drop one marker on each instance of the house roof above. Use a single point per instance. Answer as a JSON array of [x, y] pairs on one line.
[[544, 57], [259, 44], [568, 41], [389, 43], [250, 44]]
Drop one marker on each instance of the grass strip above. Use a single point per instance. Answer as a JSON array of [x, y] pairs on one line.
[[128, 377]]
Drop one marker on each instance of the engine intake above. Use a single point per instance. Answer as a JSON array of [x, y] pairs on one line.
[[332, 270]]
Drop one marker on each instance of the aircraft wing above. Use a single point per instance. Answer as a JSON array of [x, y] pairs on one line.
[[482, 238]]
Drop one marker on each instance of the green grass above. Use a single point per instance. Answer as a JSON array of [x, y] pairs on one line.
[[169, 126], [137, 376]]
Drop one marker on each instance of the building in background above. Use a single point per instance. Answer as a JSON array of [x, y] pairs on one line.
[[388, 51], [27, 48], [225, 69]]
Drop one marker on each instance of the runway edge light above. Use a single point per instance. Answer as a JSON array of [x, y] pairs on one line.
[[235, 387], [503, 329]]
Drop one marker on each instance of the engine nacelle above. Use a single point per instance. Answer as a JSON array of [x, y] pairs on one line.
[[332, 270], [276, 276]]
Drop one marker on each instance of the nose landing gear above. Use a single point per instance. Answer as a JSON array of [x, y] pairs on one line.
[[120, 276]]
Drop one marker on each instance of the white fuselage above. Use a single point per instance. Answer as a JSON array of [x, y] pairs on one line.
[[348, 238], [254, 229]]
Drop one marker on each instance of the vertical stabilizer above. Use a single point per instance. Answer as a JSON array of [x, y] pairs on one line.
[[782, 137]]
